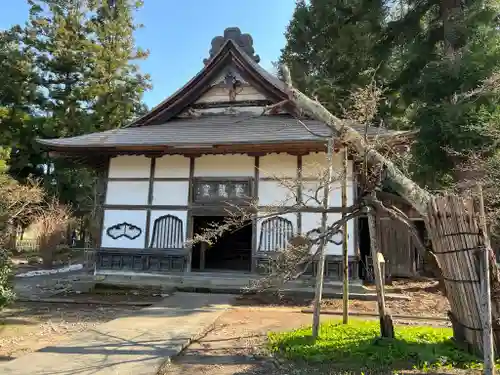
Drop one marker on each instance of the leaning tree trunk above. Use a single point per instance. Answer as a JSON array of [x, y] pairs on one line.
[[451, 226]]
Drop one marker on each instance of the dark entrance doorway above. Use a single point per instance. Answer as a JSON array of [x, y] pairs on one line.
[[231, 251]]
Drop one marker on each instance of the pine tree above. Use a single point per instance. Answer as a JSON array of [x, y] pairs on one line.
[[19, 98], [85, 59], [330, 45]]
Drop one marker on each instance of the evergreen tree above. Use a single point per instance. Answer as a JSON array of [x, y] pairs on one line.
[[428, 55], [330, 47], [19, 96], [85, 57], [444, 50]]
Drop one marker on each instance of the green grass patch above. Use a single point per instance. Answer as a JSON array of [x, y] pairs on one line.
[[358, 345]]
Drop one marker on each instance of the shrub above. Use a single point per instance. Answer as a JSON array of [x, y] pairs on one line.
[[6, 293], [50, 226]]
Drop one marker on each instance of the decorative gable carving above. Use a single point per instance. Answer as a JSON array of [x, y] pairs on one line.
[[244, 41]]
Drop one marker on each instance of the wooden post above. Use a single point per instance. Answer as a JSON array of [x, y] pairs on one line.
[[203, 249], [322, 245], [345, 255], [386, 326], [484, 262]]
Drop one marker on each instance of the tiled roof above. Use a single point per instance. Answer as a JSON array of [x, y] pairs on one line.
[[206, 130]]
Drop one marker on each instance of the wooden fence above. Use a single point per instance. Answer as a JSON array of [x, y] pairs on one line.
[[457, 242]]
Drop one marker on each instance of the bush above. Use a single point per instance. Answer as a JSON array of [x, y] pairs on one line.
[[358, 346], [6, 293], [50, 226]]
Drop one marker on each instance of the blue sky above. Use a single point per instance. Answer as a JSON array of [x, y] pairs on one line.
[[178, 34]]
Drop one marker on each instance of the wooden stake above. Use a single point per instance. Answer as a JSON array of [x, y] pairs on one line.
[[386, 326], [345, 255], [322, 245], [484, 262]]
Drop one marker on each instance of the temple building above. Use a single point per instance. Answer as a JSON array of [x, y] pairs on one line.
[[207, 148]]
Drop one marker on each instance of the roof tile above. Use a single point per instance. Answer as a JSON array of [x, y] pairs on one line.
[[207, 130]]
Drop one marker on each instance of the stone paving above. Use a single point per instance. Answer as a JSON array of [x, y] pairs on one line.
[[133, 345]]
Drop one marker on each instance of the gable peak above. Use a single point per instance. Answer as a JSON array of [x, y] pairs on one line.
[[244, 41]]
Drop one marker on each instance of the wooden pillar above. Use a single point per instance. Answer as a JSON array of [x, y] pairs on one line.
[[345, 252], [189, 220], [299, 193], [203, 249], [386, 326], [102, 191], [356, 220], [150, 201], [323, 244], [255, 192]]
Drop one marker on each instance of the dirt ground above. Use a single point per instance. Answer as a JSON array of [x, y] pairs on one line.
[[27, 327], [235, 345], [425, 300]]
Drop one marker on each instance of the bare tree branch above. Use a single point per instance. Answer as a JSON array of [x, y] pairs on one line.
[[417, 196]]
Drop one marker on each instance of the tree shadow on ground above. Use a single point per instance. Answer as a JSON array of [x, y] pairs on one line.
[[273, 299], [15, 321]]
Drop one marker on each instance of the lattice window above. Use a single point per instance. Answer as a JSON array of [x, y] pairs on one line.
[[168, 233], [275, 233]]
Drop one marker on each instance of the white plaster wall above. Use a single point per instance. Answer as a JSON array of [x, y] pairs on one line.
[[314, 165], [170, 193], [155, 214], [312, 220], [276, 193], [129, 166], [169, 166], [309, 189], [278, 166], [289, 216], [224, 166], [127, 192], [219, 94], [135, 217]]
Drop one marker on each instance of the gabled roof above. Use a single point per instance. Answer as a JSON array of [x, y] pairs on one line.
[[230, 52], [163, 128]]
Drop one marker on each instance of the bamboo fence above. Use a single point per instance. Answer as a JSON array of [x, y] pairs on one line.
[[457, 240]]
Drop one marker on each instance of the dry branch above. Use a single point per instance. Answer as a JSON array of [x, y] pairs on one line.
[[407, 188]]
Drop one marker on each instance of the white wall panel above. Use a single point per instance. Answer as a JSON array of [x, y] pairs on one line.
[[224, 166], [312, 220], [172, 166], [129, 166], [310, 189], [261, 218], [278, 166], [127, 192], [274, 193], [314, 165], [134, 217], [219, 94], [155, 214], [170, 193]]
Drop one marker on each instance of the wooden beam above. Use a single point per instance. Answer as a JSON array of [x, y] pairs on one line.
[[190, 224]]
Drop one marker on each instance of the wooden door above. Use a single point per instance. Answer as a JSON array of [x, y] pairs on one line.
[[398, 248]]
